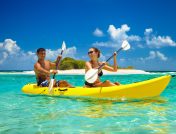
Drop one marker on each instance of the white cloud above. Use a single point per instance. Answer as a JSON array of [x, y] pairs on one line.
[[10, 46], [134, 38], [3, 57], [106, 44], [52, 54], [30, 53], [148, 31], [161, 56], [1, 45], [12, 57], [152, 55], [122, 60], [102, 57], [70, 52], [150, 39], [117, 35], [140, 46], [157, 41], [98, 32], [160, 41], [155, 55]]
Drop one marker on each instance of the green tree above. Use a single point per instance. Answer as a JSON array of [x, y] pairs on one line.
[[70, 63]]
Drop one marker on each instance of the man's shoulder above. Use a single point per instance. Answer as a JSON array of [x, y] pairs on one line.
[[47, 61], [36, 64]]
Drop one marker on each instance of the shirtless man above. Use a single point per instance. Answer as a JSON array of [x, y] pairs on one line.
[[42, 70]]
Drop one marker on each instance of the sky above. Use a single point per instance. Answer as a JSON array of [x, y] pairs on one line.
[[149, 27]]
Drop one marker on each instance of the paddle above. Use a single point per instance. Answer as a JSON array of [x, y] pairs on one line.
[[92, 74], [52, 80]]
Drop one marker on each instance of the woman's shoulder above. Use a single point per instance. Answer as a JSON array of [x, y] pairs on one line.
[[101, 62], [87, 62]]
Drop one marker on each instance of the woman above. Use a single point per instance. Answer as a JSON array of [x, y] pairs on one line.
[[94, 54]]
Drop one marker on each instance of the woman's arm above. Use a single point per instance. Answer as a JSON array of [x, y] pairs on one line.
[[114, 68]]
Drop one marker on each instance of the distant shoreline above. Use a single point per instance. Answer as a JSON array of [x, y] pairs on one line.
[[80, 69], [82, 72], [120, 71], [77, 72]]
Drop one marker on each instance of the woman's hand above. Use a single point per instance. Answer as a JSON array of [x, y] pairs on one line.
[[115, 54], [104, 63]]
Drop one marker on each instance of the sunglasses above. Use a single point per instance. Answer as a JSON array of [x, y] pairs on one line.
[[90, 52]]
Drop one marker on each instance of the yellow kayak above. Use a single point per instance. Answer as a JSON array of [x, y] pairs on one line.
[[148, 88]]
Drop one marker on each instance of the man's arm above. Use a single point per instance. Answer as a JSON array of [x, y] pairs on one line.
[[57, 63], [39, 68]]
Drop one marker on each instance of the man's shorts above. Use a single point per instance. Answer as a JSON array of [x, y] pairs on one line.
[[44, 83]]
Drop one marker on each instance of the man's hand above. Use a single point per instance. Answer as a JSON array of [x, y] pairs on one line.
[[53, 71], [59, 57]]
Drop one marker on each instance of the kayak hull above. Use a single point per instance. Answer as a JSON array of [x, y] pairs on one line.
[[145, 89]]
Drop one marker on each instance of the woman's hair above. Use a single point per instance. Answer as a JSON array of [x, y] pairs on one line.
[[96, 50]]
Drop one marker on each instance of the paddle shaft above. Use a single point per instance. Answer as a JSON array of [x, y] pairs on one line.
[[57, 66], [100, 67]]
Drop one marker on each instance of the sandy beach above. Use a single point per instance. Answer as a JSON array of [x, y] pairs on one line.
[[82, 72], [120, 71]]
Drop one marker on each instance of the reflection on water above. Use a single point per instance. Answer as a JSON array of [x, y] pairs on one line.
[[100, 107], [143, 116], [51, 114]]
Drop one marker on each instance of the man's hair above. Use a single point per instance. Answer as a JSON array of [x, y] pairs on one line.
[[40, 49]]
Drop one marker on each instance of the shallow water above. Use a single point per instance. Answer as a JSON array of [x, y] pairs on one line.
[[22, 113]]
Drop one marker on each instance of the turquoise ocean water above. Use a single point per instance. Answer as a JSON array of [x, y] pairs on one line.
[[20, 113]]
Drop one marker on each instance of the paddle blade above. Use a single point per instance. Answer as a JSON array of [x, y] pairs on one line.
[[125, 45], [91, 75], [50, 88], [63, 46]]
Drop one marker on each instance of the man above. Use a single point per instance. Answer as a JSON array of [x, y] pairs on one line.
[[42, 69]]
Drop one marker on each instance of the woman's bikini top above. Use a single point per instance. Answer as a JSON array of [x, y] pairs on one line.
[[99, 75]]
